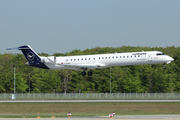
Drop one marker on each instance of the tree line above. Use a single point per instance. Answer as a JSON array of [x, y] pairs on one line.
[[136, 78]]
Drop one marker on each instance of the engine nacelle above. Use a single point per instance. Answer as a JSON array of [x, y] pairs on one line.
[[49, 60], [45, 60]]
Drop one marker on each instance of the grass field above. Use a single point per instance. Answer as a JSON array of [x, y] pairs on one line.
[[86, 109]]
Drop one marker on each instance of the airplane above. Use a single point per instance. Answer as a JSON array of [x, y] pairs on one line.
[[90, 62]]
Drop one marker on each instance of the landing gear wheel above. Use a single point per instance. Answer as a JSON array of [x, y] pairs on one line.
[[83, 73], [90, 73], [164, 67]]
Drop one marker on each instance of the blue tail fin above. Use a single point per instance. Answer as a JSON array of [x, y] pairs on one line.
[[31, 56]]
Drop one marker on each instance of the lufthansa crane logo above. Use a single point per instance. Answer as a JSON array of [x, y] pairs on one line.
[[30, 56]]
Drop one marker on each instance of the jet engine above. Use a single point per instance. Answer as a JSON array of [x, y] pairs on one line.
[[49, 60]]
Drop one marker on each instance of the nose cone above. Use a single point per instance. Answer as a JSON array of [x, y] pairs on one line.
[[171, 59]]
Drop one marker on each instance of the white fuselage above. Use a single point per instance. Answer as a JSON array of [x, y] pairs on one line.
[[88, 62]]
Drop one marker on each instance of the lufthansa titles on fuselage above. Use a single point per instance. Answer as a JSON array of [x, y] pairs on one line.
[[139, 53]]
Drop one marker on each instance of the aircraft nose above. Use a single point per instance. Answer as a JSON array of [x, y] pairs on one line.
[[171, 59]]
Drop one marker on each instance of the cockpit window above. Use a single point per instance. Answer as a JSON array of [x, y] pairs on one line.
[[160, 54]]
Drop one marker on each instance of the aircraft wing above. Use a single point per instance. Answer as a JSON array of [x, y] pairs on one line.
[[82, 66]]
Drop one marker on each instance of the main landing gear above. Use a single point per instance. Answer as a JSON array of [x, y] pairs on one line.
[[84, 73], [90, 73]]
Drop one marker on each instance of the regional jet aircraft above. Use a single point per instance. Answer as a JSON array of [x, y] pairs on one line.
[[90, 62]]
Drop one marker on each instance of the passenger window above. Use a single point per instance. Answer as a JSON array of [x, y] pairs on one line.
[[71, 59], [123, 56], [74, 59], [105, 57], [89, 58], [93, 58], [85, 58], [102, 57], [113, 57], [81, 58], [109, 57], [116, 56], [119, 56], [78, 59], [66, 59]]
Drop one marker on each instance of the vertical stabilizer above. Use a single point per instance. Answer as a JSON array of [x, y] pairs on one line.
[[31, 56]]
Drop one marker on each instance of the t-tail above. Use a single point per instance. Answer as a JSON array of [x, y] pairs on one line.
[[32, 57]]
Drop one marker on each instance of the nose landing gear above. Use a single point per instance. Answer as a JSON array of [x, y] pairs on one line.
[[164, 67]]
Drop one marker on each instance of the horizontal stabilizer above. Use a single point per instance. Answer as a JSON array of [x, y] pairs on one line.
[[25, 48]]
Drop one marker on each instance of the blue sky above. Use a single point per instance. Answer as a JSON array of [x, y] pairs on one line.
[[59, 26]]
